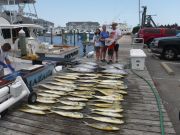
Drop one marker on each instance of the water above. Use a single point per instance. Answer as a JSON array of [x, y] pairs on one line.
[[57, 40]]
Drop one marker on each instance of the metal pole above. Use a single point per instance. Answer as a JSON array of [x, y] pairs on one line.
[[139, 12], [74, 38], [51, 37]]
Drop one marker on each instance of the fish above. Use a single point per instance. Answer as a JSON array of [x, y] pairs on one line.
[[103, 126], [51, 87], [73, 103], [63, 81], [76, 99], [76, 115], [81, 69], [115, 110], [83, 88], [67, 77], [91, 63], [102, 105], [104, 101], [86, 66], [61, 93], [85, 85], [88, 77], [115, 71], [39, 107], [118, 97], [108, 92], [48, 95], [82, 92], [110, 114], [46, 101], [69, 107], [33, 111], [112, 81], [107, 119], [87, 81], [118, 66], [91, 75], [63, 84], [82, 96]]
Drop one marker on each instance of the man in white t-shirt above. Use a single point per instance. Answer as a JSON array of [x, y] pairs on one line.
[[117, 36], [4, 60]]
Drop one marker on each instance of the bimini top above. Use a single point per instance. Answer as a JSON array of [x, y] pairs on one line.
[[13, 26], [12, 2]]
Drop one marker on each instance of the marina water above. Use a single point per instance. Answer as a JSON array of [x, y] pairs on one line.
[[57, 40]]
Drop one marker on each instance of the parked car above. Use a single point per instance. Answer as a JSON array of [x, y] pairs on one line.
[[148, 34], [167, 47]]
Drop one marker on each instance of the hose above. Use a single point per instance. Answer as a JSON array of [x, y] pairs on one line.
[[158, 100]]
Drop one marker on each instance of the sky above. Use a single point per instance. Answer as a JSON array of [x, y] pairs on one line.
[[106, 11]]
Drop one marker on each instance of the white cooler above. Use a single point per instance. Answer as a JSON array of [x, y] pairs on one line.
[[137, 59]]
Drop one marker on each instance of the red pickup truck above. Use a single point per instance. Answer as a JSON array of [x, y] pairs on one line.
[[148, 34]]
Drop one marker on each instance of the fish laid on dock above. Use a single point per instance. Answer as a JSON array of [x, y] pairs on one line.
[[80, 69], [39, 107], [102, 126], [48, 95], [44, 100], [110, 114], [115, 110], [76, 99], [84, 88], [61, 93], [63, 81], [33, 111], [67, 77], [102, 105], [106, 119], [68, 107], [115, 71], [67, 102], [76, 115], [111, 97]]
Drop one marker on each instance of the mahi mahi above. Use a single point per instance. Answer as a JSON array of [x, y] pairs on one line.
[[76, 115], [102, 126], [33, 111], [107, 119]]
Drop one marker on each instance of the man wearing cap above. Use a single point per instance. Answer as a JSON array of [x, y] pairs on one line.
[[117, 36], [4, 49]]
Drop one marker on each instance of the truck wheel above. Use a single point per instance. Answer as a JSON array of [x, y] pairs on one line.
[[32, 98], [2, 114], [170, 54]]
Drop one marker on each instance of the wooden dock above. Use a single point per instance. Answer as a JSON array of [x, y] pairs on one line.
[[141, 115]]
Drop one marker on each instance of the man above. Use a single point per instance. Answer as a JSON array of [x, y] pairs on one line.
[[117, 36], [4, 49]]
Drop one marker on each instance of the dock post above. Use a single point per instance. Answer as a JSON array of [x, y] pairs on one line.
[[22, 43], [74, 37]]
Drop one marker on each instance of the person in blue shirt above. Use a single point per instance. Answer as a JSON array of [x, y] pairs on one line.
[[97, 43], [4, 60], [104, 34]]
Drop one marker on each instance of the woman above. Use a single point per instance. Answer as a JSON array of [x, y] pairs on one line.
[[97, 44], [104, 34]]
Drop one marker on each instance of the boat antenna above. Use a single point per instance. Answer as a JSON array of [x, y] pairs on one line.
[[35, 10]]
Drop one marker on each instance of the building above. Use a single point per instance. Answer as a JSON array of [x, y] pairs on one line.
[[82, 26]]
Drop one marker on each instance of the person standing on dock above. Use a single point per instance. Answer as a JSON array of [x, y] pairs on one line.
[[4, 49], [118, 35], [97, 43], [104, 34], [110, 43]]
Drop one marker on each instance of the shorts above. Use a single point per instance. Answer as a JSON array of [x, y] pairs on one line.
[[97, 48], [116, 47], [110, 52]]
